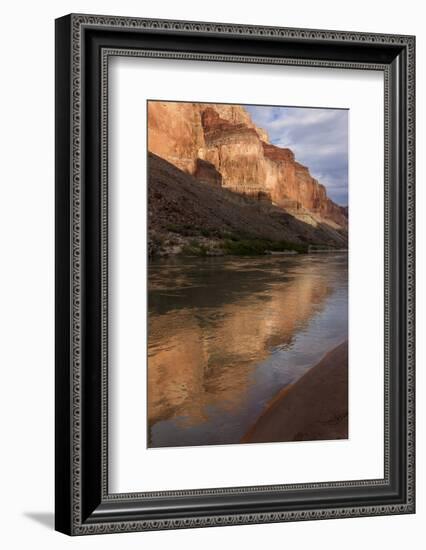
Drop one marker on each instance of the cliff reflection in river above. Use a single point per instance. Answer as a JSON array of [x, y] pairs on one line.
[[225, 334]]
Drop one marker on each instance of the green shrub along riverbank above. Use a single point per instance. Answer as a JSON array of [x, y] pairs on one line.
[[240, 247], [198, 242]]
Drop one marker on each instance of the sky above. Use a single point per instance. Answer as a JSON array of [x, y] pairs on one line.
[[317, 137]]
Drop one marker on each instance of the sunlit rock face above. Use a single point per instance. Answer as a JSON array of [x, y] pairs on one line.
[[237, 155], [175, 133]]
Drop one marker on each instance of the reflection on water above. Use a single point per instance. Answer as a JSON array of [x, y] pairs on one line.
[[226, 334]]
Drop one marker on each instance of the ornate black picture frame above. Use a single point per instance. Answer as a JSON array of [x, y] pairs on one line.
[[83, 45]]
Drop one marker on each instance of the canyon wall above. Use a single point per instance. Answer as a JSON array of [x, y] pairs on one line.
[[221, 145]]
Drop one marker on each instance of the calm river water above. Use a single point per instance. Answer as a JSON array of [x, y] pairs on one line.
[[227, 334]]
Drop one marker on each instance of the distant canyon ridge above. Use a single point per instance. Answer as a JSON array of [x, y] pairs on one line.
[[217, 185]]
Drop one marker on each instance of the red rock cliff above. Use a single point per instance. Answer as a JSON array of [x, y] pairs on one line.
[[221, 144]]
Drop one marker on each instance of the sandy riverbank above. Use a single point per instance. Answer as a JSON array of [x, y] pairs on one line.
[[313, 408]]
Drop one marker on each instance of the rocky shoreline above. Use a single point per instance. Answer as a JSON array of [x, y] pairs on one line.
[[164, 245], [313, 408], [178, 245]]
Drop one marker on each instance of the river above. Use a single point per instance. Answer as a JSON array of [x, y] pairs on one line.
[[226, 334]]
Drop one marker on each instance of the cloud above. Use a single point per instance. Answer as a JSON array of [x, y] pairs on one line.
[[318, 138]]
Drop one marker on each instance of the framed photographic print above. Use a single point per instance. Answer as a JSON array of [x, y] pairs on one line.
[[234, 274]]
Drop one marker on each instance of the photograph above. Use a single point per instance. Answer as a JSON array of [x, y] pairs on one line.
[[209, 289], [234, 304], [248, 241]]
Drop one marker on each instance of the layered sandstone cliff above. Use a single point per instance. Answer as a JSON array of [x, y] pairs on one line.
[[220, 144]]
